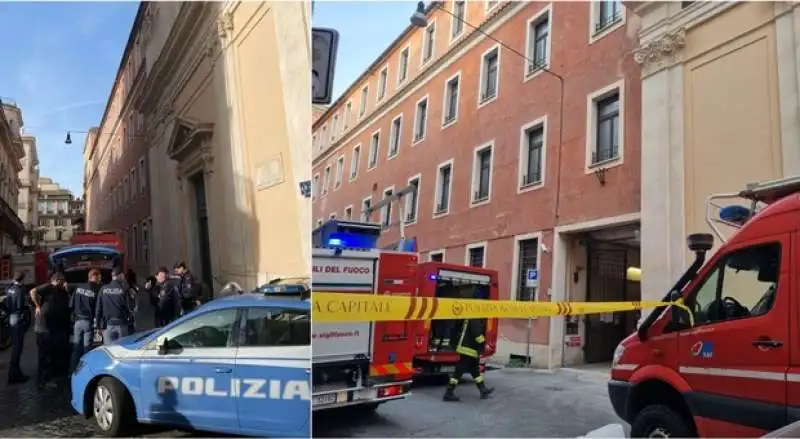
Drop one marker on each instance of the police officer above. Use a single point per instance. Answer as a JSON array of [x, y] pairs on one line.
[[16, 305], [112, 312], [83, 303], [167, 298], [470, 342], [183, 281], [43, 301], [132, 288]]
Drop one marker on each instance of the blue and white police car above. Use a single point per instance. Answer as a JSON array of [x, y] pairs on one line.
[[237, 365]]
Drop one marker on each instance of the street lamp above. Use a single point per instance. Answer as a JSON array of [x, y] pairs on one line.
[[68, 139], [420, 19]]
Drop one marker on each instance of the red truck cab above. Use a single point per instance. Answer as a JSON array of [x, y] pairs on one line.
[[730, 367], [435, 354]]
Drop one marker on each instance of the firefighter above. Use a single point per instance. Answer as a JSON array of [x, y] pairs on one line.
[[112, 312], [83, 303], [16, 306], [470, 342]]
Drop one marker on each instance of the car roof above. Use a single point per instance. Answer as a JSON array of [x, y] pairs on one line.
[[256, 300]]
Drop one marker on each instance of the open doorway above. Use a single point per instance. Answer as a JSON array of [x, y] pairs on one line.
[[608, 257], [203, 239]]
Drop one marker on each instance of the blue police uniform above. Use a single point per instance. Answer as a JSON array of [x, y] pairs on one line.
[[16, 305], [83, 303], [184, 285], [112, 311]]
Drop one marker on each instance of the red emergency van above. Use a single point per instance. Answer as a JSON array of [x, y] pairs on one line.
[[731, 366], [435, 354]]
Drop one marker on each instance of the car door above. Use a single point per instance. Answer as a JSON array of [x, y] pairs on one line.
[[736, 356], [273, 365], [190, 385]]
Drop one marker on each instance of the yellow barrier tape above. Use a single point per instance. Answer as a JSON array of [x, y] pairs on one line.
[[348, 307]]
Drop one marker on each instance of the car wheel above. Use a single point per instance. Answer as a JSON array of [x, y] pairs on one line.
[[112, 409], [660, 421]]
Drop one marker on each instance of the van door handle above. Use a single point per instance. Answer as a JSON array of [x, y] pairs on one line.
[[767, 343], [223, 370]]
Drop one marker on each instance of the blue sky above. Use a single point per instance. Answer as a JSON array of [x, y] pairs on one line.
[[59, 61], [365, 28]]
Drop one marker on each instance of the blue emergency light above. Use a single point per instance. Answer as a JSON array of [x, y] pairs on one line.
[[285, 291], [347, 234], [735, 214]]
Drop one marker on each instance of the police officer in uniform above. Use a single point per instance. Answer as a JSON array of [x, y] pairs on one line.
[[167, 298], [182, 280], [16, 305], [83, 303], [112, 312], [470, 342]]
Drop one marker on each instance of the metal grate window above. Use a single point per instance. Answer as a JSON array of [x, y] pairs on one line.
[[476, 257], [528, 250]]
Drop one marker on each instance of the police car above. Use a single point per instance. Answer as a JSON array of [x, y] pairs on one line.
[[237, 365]]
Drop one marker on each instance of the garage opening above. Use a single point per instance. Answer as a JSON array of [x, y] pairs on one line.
[[609, 254]]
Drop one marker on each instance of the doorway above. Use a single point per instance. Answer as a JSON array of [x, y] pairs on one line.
[[607, 265], [198, 183]]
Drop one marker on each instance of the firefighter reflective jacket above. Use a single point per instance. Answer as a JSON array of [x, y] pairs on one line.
[[471, 340]]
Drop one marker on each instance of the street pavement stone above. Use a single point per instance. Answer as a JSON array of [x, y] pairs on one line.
[[526, 403]]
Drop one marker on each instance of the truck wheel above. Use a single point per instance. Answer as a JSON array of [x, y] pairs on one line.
[[660, 421], [112, 409]]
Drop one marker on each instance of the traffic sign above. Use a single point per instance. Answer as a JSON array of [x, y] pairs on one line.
[[532, 278]]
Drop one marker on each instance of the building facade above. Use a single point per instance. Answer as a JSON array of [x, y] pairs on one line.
[[501, 180], [692, 55], [219, 155], [57, 210], [28, 201], [12, 152]]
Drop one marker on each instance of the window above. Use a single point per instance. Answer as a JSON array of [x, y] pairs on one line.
[[277, 327], [362, 106], [412, 200], [607, 136], [134, 184], [538, 44], [421, 120], [374, 146], [490, 66], [348, 212], [208, 330], [142, 176], [333, 127], [324, 139], [326, 179], [126, 191], [686, 4], [402, 65], [532, 154], [451, 89], [458, 19], [315, 187], [482, 174], [354, 162], [135, 249], [348, 114], [428, 43], [476, 255], [436, 256], [366, 204], [337, 182], [382, 80], [609, 12], [394, 136], [490, 4], [744, 284], [314, 144], [386, 211], [527, 254], [145, 242], [443, 183]]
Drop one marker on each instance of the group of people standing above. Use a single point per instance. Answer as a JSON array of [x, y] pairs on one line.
[[89, 311]]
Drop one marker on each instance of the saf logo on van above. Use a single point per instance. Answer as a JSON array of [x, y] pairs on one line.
[[703, 349], [236, 387]]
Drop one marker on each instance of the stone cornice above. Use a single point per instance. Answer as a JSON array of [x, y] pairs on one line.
[[662, 52]]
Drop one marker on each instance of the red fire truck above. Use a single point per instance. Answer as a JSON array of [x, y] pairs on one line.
[[435, 354], [729, 367], [360, 363]]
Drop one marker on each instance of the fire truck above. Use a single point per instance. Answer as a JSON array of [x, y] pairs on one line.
[[360, 363], [728, 364]]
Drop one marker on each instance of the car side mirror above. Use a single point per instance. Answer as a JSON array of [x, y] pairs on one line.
[[168, 346]]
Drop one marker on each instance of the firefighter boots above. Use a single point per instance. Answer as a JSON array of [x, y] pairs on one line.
[[449, 393], [486, 392]]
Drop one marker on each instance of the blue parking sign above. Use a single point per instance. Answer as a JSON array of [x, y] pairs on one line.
[[532, 278]]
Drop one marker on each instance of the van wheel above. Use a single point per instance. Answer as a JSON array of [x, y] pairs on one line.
[[112, 408], [660, 421]]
